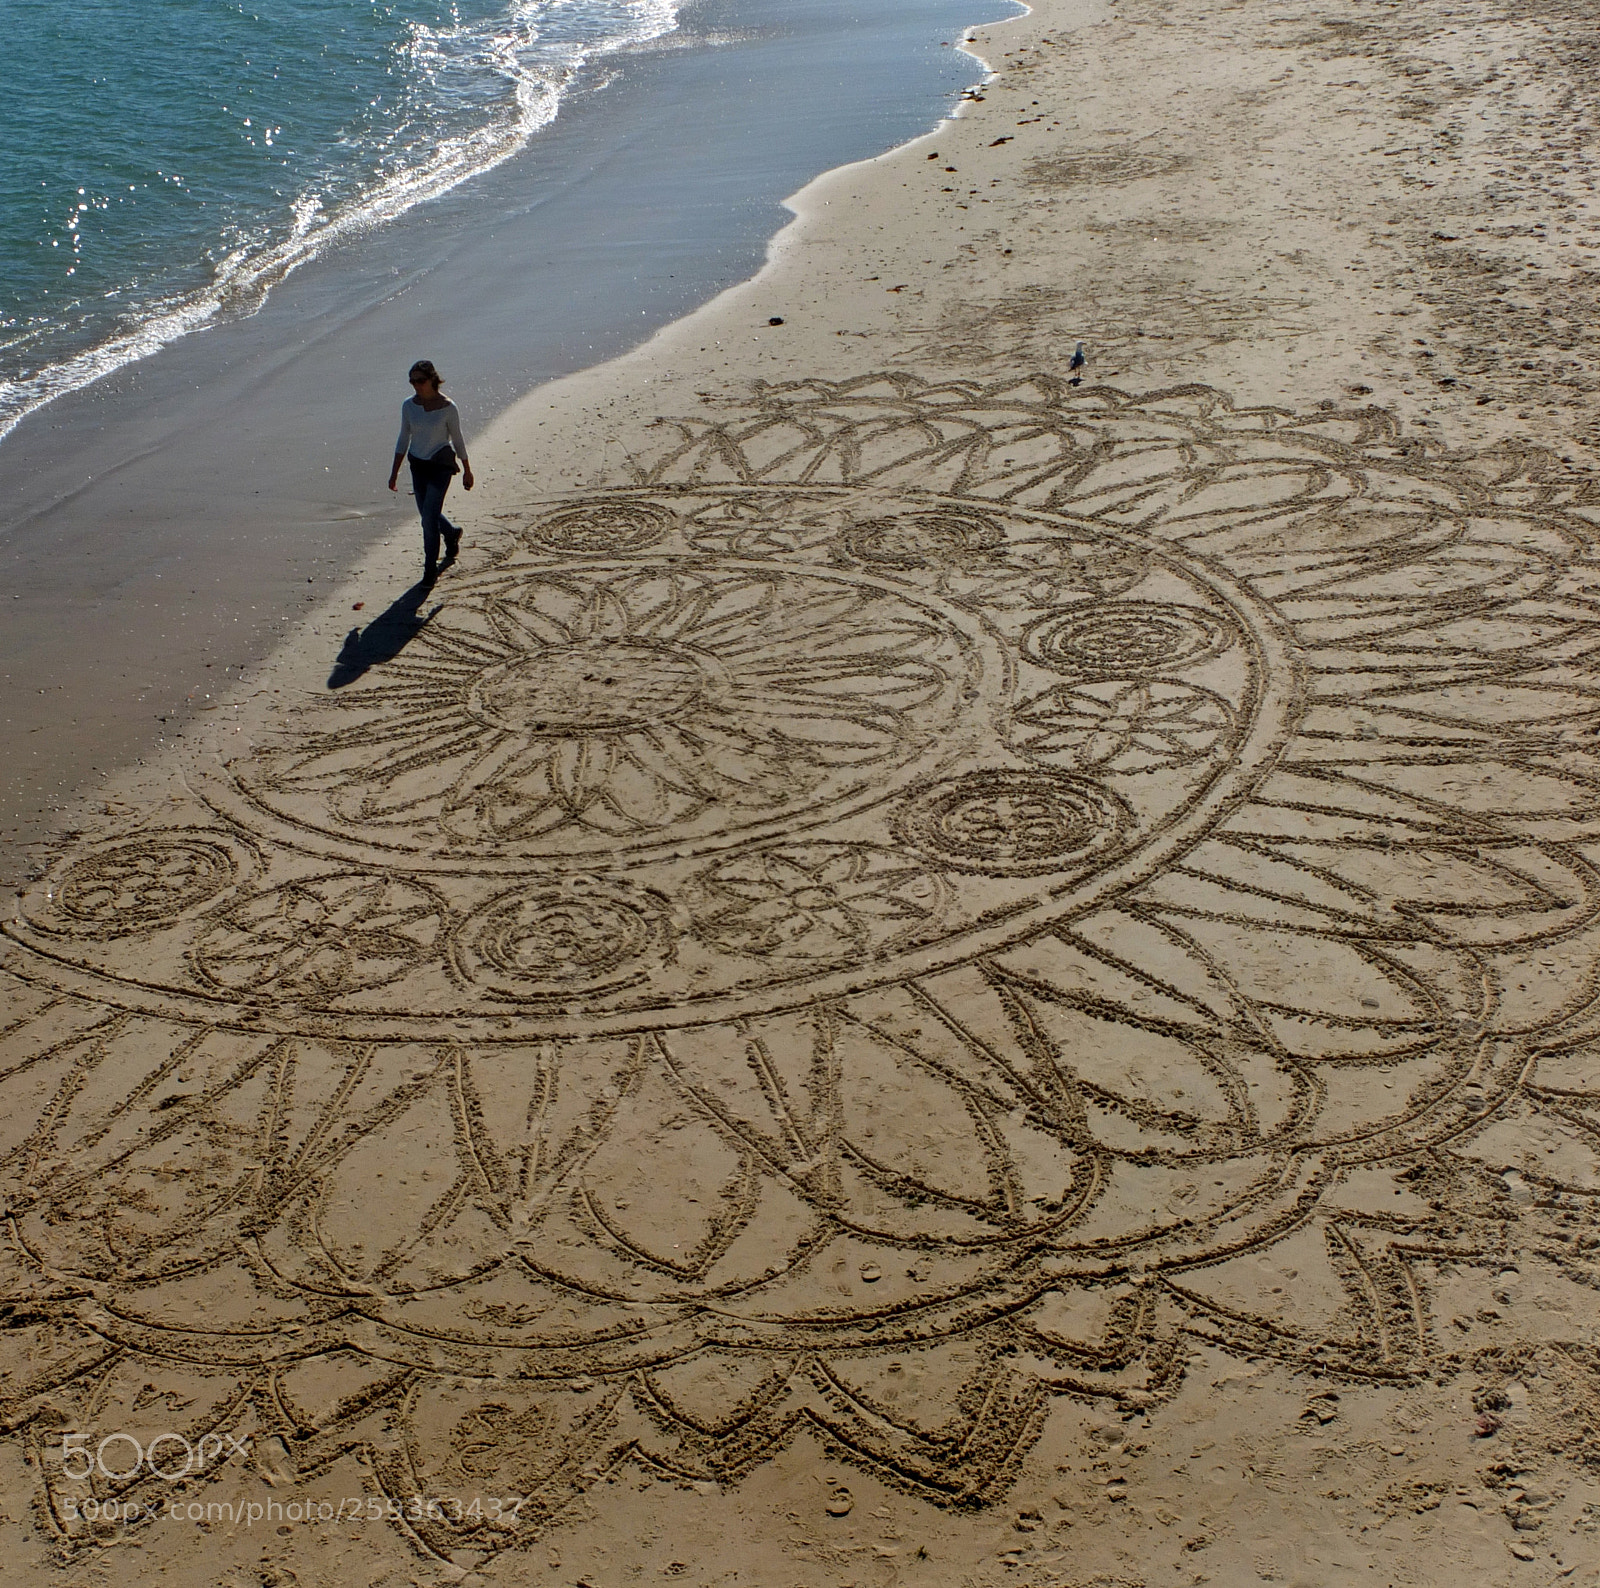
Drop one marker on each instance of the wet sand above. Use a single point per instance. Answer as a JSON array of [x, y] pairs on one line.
[[163, 530], [914, 973]]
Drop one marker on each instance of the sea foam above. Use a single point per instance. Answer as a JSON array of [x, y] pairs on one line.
[[453, 98]]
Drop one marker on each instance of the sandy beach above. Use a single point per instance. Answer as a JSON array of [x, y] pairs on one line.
[[190, 510], [925, 967]]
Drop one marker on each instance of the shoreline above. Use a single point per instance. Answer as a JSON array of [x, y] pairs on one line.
[[246, 278], [134, 508], [914, 973]]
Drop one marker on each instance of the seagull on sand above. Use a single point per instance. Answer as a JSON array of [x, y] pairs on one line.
[[1078, 360]]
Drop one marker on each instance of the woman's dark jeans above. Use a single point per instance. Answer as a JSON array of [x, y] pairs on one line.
[[429, 486]]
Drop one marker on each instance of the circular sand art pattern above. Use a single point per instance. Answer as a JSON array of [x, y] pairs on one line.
[[936, 897], [560, 713], [319, 938], [1123, 724], [944, 535], [138, 885], [653, 723], [818, 902], [1126, 639], [1013, 823], [588, 688], [553, 942], [600, 527]]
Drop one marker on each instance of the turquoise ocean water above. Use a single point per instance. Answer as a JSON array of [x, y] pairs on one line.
[[167, 161]]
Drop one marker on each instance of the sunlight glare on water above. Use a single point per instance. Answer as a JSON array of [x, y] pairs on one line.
[[166, 163]]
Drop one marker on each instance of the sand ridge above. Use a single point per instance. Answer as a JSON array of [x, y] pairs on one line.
[[917, 972]]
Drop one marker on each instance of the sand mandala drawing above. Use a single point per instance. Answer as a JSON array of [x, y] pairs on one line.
[[931, 898]]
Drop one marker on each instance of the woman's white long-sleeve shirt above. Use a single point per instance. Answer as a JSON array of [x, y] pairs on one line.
[[423, 433]]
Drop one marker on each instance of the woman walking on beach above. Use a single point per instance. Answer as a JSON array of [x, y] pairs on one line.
[[430, 440]]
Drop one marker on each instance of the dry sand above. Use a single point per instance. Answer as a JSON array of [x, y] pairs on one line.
[[914, 974]]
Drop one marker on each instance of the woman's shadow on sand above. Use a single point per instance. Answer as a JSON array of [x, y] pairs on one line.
[[384, 637]]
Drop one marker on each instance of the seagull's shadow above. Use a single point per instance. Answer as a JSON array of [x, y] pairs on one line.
[[384, 637]]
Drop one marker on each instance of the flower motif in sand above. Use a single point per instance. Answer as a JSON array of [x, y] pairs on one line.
[[1041, 990], [1130, 724], [811, 901], [141, 883], [606, 703], [320, 937]]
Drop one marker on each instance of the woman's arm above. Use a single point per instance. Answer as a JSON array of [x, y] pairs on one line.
[[452, 424], [401, 444]]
